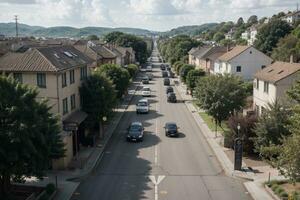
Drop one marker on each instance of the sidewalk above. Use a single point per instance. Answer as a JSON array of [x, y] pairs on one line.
[[69, 180], [256, 177]]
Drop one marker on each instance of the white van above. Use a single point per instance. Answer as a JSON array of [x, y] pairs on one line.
[[142, 106], [149, 69], [146, 92]]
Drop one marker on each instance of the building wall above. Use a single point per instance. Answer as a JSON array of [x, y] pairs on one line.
[[251, 61]]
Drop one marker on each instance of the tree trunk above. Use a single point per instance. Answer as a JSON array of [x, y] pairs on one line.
[[5, 186]]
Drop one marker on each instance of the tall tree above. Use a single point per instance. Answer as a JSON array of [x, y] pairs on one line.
[[271, 129], [99, 98], [29, 134], [92, 37], [240, 22], [220, 95], [269, 35], [287, 47], [119, 76], [184, 70], [192, 77], [252, 20]]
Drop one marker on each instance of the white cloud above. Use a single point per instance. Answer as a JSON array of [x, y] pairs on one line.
[[150, 14]]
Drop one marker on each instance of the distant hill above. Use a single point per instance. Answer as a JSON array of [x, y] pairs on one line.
[[9, 29], [190, 30]]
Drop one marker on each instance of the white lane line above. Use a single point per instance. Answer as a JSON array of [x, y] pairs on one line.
[[156, 183], [156, 133]]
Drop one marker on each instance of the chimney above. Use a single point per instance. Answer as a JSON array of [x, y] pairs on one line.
[[292, 58]]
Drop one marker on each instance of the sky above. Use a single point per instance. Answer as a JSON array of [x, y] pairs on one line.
[[156, 15]]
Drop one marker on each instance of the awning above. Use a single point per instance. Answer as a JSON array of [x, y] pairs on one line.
[[76, 118]]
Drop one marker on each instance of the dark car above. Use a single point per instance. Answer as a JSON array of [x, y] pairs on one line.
[[135, 132], [164, 74], [166, 81], [171, 97], [168, 68], [169, 89], [162, 67], [145, 80], [171, 129], [150, 76]]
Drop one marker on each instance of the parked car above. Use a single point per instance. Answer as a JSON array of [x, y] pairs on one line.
[[164, 74], [171, 97], [171, 129], [162, 67], [169, 89], [150, 76], [145, 80], [149, 68], [142, 106], [135, 132], [146, 92], [166, 81]]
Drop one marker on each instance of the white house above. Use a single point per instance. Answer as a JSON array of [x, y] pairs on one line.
[[246, 35], [243, 61], [253, 34], [292, 17], [272, 82]]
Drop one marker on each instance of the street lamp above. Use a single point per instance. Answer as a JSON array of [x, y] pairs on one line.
[[104, 119], [238, 130]]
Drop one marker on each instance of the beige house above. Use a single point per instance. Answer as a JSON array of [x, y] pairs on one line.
[[57, 73], [272, 82], [125, 55], [99, 53], [243, 61]]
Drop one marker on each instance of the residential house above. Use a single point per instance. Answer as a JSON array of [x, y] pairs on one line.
[[253, 34], [124, 55], [292, 17], [57, 73], [99, 53], [246, 35], [192, 55], [205, 57], [243, 61], [272, 82], [230, 34]]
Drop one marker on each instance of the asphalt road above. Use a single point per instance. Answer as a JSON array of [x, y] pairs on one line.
[[159, 168]]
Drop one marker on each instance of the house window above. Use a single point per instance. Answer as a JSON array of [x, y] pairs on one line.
[[18, 77], [72, 77], [83, 73], [257, 84], [64, 79], [257, 109], [238, 68], [73, 102], [41, 80], [266, 87], [263, 66], [65, 106]]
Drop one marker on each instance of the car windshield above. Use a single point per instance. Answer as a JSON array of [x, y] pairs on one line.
[[146, 89], [145, 78], [142, 104], [171, 126], [135, 128]]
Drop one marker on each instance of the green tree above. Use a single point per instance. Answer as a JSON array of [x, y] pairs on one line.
[[192, 77], [219, 36], [271, 129], [252, 20], [288, 161], [220, 95], [241, 41], [179, 66], [29, 134], [287, 46], [240, 22], [269, 34], [118, 75], [92, 37], [184, 70], [99, 98], [113, 36], [132, 69]]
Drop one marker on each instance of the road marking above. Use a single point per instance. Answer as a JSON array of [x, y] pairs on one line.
[[156, 183], [156, 133]]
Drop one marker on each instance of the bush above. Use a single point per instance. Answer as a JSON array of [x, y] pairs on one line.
[[50, 188], [284, 195], [274, 187], [178, 67], [132, 69], [184, 70], [279, 190]]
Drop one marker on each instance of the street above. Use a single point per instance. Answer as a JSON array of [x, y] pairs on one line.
[[159, 168]]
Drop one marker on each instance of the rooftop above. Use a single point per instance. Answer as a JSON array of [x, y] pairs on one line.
[[277, 71], [233, 53]]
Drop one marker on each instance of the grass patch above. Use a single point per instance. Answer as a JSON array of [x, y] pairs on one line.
[[211, 123]]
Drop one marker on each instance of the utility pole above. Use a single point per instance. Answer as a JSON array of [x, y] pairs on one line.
[[17, 29]]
